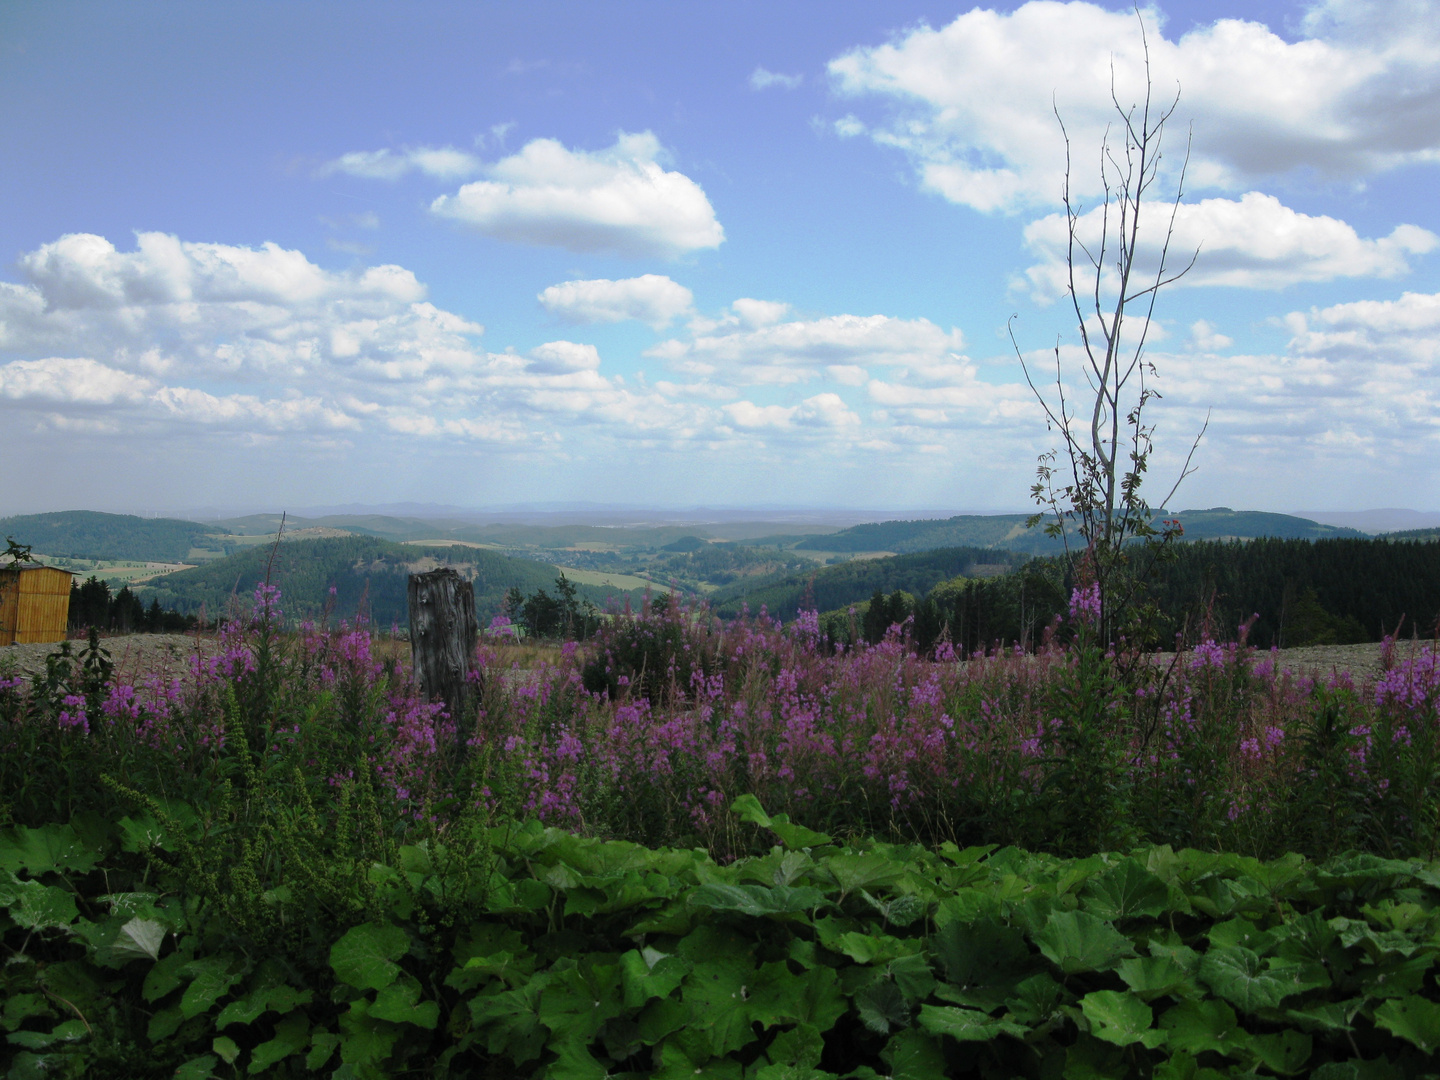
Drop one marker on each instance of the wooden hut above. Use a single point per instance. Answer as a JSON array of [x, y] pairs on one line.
[[34, 604]]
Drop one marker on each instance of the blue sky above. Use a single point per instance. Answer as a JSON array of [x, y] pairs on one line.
[[698, 254]]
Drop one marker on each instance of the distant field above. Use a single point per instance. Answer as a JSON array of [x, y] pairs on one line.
[[617, 581], [851, 556], [118, 572], [455, 543]]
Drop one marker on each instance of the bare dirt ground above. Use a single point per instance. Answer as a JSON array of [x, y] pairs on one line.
[[135, 656], [1358, 660]]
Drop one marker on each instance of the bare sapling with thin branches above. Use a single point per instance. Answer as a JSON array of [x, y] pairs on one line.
[[1089, 488]]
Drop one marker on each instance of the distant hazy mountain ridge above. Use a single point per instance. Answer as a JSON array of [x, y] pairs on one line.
[[1008, 532]]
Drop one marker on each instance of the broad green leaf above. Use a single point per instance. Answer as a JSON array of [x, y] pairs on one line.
[[257, 1002], [1093, 1059], [165, 976], [322, 1048], [967, 905], [400, 1004], [873, 948], [211, 978], [1076, 941], [1326, 1016], [983, 953], [659, 1018], [790, 867], [1358, 1069], [141, 833], [291, 1036], [578, 1001], [1278, 874], [1035, 999], [1414, 1019], [1285, 1052], [1156, 976], [164, 1023], [792, 836], [1395, 978], [78, 983], [1310, 939], [1244, 980], [985, 998], [913, 1055], [1398, 915], [757, 899], [1120, 1018], [574, 1061], [717, 993], [868, 871], [796, 837], [197, 1068], [797, 1050], [967, 1025], [900, 911], [687, 1054], [716, 940], [67, 1031], [34, 906], [20, 1007], [1126, 891], [138, 939], [1240, 932], [365, 956], [882, 1007], [366, 1041], [912, 975], [747, 808], [967, 858], [44, 850], [1198, 1026], [778, 996], [647, 973], [1182, 1066], [226, 1048]]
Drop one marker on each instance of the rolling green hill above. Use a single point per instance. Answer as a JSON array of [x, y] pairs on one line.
[[361, 569], [86, 534], [852, 582], [967, 530]]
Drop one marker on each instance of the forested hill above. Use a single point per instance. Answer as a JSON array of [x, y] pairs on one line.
[[87, 534], [967, 530], [851, 582], [1334, 591], [359, 568], [1008, 531], [1298, 592]]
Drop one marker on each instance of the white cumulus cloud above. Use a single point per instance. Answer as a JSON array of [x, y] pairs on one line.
[[618, 200], [1252, 242], [443, 163], [761, 79], [753, 347], [650, 298], [971, 103]]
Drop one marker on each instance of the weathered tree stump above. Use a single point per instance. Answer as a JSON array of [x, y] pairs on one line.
[[442, 635]]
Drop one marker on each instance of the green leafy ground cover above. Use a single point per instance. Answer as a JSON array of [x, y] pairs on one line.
[[527, 951]]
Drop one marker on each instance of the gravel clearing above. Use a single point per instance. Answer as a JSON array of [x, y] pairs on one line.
[[135, 656]]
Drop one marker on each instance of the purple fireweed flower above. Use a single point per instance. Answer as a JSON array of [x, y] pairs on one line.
[[1085, 604], [73, 715], [1207, 654]]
